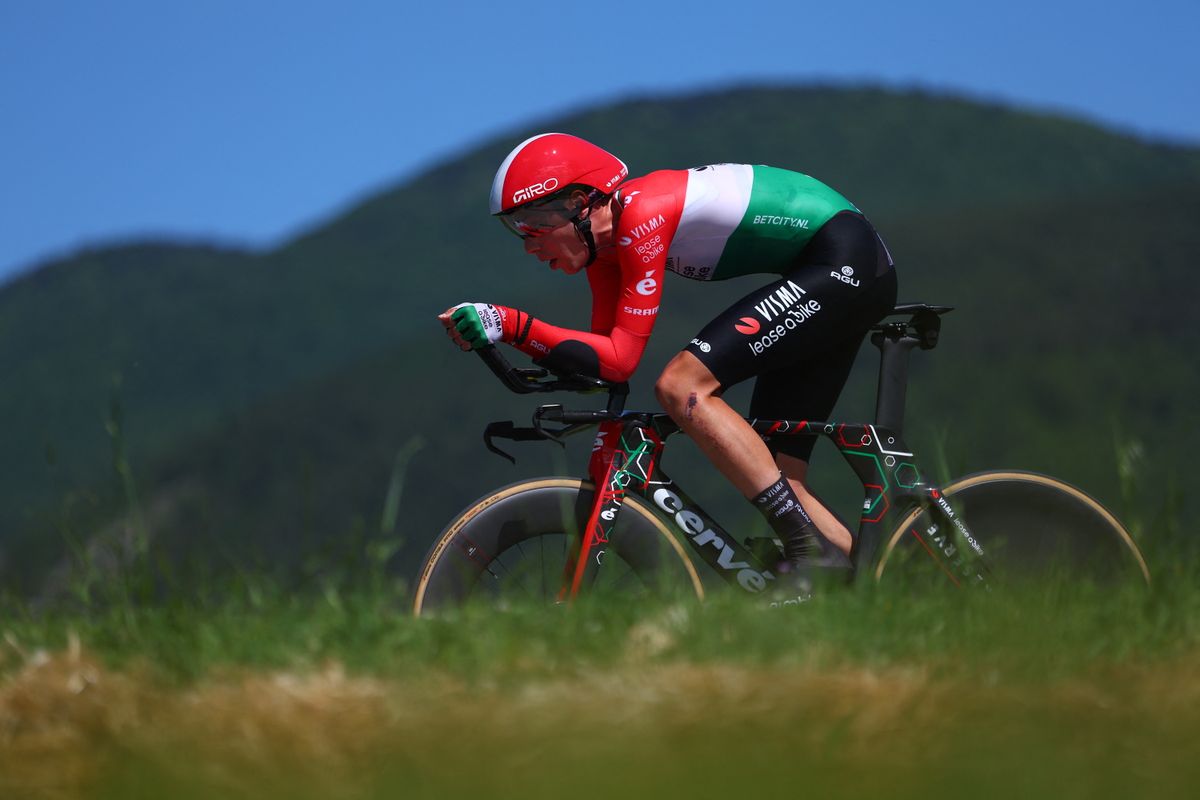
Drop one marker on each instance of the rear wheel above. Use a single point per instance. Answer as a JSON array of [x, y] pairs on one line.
[[1027, 524], [512, 546]]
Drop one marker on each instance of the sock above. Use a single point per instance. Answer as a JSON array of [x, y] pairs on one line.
[[782, 509]]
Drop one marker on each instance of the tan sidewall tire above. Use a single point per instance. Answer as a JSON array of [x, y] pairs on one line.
[[1032, 477], [632, 504]]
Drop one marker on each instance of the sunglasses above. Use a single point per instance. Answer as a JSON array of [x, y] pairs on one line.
[[540, 217]]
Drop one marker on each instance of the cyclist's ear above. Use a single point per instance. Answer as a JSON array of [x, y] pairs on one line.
[[577, 200]]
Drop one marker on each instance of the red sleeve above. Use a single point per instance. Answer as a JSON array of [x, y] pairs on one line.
[[625, 296]]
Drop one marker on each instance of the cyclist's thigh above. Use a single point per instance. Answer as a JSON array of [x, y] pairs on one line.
[[806, 390], [812, 309], [800, 333]]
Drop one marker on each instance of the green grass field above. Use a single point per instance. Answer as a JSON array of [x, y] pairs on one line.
[[260, 692]]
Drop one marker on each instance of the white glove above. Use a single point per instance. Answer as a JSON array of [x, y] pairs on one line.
[[479, 324]]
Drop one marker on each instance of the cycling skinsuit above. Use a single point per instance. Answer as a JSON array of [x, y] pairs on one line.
[[799, 334]]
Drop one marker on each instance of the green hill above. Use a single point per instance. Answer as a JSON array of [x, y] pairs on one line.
[[263, 397]]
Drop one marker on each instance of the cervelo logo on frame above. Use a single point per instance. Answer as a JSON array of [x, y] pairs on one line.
[[536, 190], [693, 525]]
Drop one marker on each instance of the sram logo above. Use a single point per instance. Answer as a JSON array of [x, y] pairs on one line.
[[691, 523], [536, 190]]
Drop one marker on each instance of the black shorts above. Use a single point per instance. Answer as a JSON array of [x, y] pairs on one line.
[[800, 334]]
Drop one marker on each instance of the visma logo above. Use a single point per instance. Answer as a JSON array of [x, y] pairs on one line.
[[747, 325], [780, 301], [639, 232]]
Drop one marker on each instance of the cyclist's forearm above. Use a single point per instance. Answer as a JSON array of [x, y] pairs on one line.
[[613, 356]]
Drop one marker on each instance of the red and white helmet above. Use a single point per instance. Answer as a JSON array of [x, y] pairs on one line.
[[549, 163]]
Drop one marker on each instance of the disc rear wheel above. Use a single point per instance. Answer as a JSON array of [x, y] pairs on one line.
[[1028, 525]]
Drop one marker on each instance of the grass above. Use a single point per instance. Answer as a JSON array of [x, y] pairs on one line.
[[260, 691]]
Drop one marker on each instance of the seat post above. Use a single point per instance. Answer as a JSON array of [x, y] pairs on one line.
[[894, 345]]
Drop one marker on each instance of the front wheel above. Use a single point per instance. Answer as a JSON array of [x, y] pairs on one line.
[[1027, 525], [512, 546]]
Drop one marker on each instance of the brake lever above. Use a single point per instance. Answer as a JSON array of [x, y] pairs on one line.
[[498, 429], [548, 410], [504, 429]]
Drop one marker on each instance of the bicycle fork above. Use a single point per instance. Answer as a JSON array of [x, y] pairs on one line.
[[621, 454], [950, 542]]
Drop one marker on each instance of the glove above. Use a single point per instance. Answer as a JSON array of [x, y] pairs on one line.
[[479, 324]]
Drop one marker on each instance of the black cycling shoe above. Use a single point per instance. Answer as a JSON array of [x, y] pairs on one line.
[[797, 582], [810, 562], [807, 547]]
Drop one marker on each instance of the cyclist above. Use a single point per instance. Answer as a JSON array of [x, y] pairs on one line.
[[575, 208]]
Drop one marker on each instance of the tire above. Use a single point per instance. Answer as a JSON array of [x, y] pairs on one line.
[[512, 546], [1029, 526]]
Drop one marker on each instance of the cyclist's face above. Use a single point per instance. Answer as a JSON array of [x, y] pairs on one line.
[[561, 248]]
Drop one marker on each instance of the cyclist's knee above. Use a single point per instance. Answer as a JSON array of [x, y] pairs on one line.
[[684, 380]]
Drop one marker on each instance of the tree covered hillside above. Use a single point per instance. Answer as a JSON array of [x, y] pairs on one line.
[[263, 397]]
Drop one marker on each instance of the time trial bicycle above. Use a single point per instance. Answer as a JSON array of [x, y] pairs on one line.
[[625, 525]]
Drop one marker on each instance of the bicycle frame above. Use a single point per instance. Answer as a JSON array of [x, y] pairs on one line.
[[628, 450], [626, 458]]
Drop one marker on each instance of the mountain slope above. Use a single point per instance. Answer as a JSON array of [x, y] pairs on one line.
[[1012, 216]]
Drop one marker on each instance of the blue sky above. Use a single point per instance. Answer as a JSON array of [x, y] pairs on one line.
[[245, 122]]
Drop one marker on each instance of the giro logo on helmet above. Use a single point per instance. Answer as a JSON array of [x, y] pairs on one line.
[[550, 162], [536, 190]]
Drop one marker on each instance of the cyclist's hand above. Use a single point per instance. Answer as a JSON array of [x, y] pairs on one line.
[[473, 325]]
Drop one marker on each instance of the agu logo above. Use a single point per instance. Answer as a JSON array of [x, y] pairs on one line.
[[747, 325]]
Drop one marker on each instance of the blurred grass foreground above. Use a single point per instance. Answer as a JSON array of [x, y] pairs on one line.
[[1059, 691]]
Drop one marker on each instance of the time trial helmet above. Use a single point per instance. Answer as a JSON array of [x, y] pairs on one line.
[[532, 189]]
